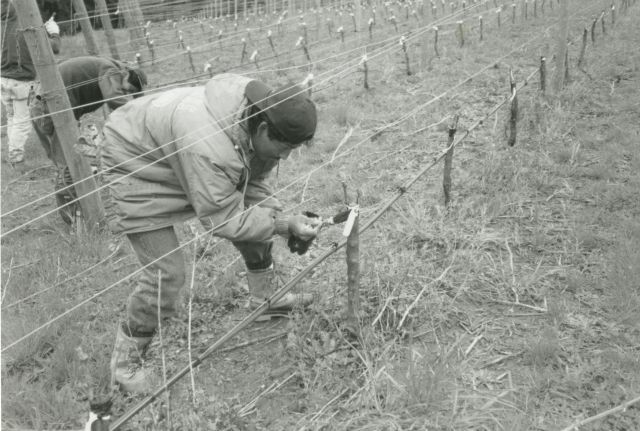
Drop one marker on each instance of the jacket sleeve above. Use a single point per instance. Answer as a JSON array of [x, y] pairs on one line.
[[110, 83], [213, 193]]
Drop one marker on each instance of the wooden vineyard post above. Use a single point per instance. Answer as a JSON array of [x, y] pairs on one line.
[[101, 6], [303, 44], [351, 231], [366, 71], [435, 41], [543, 75], [613, 15], [87, 31], [448, 161], [358, 15], [243, 55], [561, 47], [273, 48], [604, 30], [403, 44], [481, 28], [135, 30], [193, 67], [498, 13], [152, 51], [513, 111], [566, 65], [58, 103], [461, 33], [583, 48], [254, 59], [309, 81], [513, 13]]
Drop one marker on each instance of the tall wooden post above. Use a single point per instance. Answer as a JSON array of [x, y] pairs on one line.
[[448, 161], [58, 103], [127, 8], [101, 7], [513, 111], [353, 269], [561, 47], [87, 31]]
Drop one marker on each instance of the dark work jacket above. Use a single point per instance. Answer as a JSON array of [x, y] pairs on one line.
[[92, 81], [16, 60]]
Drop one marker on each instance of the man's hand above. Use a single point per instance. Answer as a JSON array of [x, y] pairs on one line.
[[304, 227], [52, 27]]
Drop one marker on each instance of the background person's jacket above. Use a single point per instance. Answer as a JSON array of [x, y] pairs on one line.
[[16, 60], [92, 81], [208, 171]]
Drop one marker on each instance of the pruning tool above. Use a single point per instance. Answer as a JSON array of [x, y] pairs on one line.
[[300, 246]]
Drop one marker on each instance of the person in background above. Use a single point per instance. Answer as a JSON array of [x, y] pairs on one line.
[[200, 152], [18, 76], [90, 83]]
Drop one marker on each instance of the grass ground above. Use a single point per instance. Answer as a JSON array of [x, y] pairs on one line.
[[517, 308]]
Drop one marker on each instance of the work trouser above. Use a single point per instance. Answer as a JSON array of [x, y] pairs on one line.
[[15, 98], [164, 278]]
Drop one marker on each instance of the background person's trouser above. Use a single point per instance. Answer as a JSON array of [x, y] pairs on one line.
[[45, 130], [169, 273], [15, 95]]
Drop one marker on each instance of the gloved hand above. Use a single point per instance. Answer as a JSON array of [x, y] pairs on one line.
[[303, 226], [299, 245], [299, 225], [52, 27]]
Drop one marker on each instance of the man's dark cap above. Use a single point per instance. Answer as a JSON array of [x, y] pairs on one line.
[[288, 108], [139, 79]]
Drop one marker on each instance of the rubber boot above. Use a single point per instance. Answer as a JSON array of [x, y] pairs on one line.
[[262, 284], [64, 194], [126, 364]]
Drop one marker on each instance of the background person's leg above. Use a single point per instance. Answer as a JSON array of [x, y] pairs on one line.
[[18, 118]]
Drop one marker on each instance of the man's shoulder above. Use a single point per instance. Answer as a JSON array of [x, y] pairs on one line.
[[89, 62]]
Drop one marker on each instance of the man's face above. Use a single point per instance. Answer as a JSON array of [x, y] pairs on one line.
[[127, 87], [269, 149]]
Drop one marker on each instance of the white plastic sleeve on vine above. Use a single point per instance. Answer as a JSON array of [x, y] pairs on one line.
[[207, 66], [253, 55], [402, 40], [348, 226], [340, 29], [364, 59], [299, 41], [188, 48], [307, 80], [370, 21], [269, 34]]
